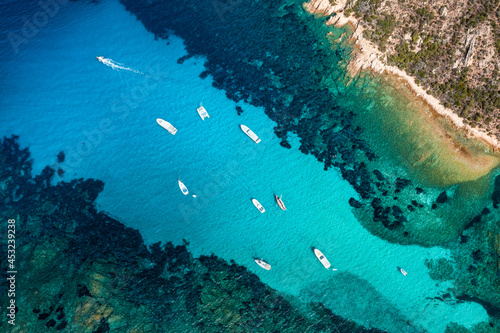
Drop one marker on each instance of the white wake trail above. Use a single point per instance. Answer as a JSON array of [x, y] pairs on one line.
[[118, 66]]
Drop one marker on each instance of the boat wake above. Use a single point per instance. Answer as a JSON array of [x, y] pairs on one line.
[[118, 66]]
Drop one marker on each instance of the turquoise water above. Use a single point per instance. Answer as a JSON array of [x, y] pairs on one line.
[[57, 96]]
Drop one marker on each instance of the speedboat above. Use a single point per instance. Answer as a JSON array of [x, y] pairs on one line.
[[263, 264], [166, 125], [280, 202], [183, 188], [202, 112], [321, 257], [258, 205], [402, 271], [251, 134], [101, 59]]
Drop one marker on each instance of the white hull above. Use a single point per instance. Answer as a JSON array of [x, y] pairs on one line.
[[258, 205], [250, 133], [263, 264], [166, 125], [322, 258], [202, 112], [403, 272], [183, 188]]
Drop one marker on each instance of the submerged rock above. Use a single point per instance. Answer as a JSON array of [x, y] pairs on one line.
[[90, 273], [401, 183], [60, 157], [495, 196], [355, 203], [379, 175], [442, 198]]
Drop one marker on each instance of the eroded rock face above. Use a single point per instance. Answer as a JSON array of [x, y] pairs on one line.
[[470, 49]]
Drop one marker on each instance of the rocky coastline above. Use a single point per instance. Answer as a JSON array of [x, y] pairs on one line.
[[302, 86], [314, 100], [367, 56]]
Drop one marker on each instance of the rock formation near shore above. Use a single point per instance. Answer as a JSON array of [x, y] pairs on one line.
[[367, 55]]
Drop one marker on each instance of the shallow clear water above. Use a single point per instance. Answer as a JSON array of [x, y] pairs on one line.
[[57, 96]]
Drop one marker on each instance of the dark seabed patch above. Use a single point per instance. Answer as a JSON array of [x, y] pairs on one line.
[[275, 56], [366, 303], [84, 271]]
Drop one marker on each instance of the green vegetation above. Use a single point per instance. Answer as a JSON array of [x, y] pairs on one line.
[[419, 46], [383, 23]]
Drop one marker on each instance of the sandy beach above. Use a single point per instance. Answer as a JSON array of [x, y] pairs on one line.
[[368, 57]]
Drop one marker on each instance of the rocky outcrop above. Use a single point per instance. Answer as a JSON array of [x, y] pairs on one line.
[[325, 7], [367, 55], [470, 49]]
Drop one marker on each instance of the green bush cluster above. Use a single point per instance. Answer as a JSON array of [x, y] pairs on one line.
[[435, 52]]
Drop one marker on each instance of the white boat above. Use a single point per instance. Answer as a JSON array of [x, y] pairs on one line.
[[183, 188], [251, 134], [258, 205], [402, 271], [101, 59], [280, 202], [263, 264], [166, 125], [321, 257], [202, 112]]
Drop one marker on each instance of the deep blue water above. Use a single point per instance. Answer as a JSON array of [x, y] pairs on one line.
[[57, 96]]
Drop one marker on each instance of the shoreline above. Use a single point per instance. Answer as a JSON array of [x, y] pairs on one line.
[[367, 57]]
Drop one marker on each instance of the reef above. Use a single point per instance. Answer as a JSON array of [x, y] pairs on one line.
[[79, 270], [474, 268], [276, 56]]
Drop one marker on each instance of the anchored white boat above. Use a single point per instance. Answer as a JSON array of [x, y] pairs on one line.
[[402, 271], [202, 112], [263, 264], [280, 202], [166, 125], [183, 188], [251, 134], [321, 257], [258, 205]]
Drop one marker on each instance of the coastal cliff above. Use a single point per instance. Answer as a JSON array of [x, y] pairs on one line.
[[452, 68]]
